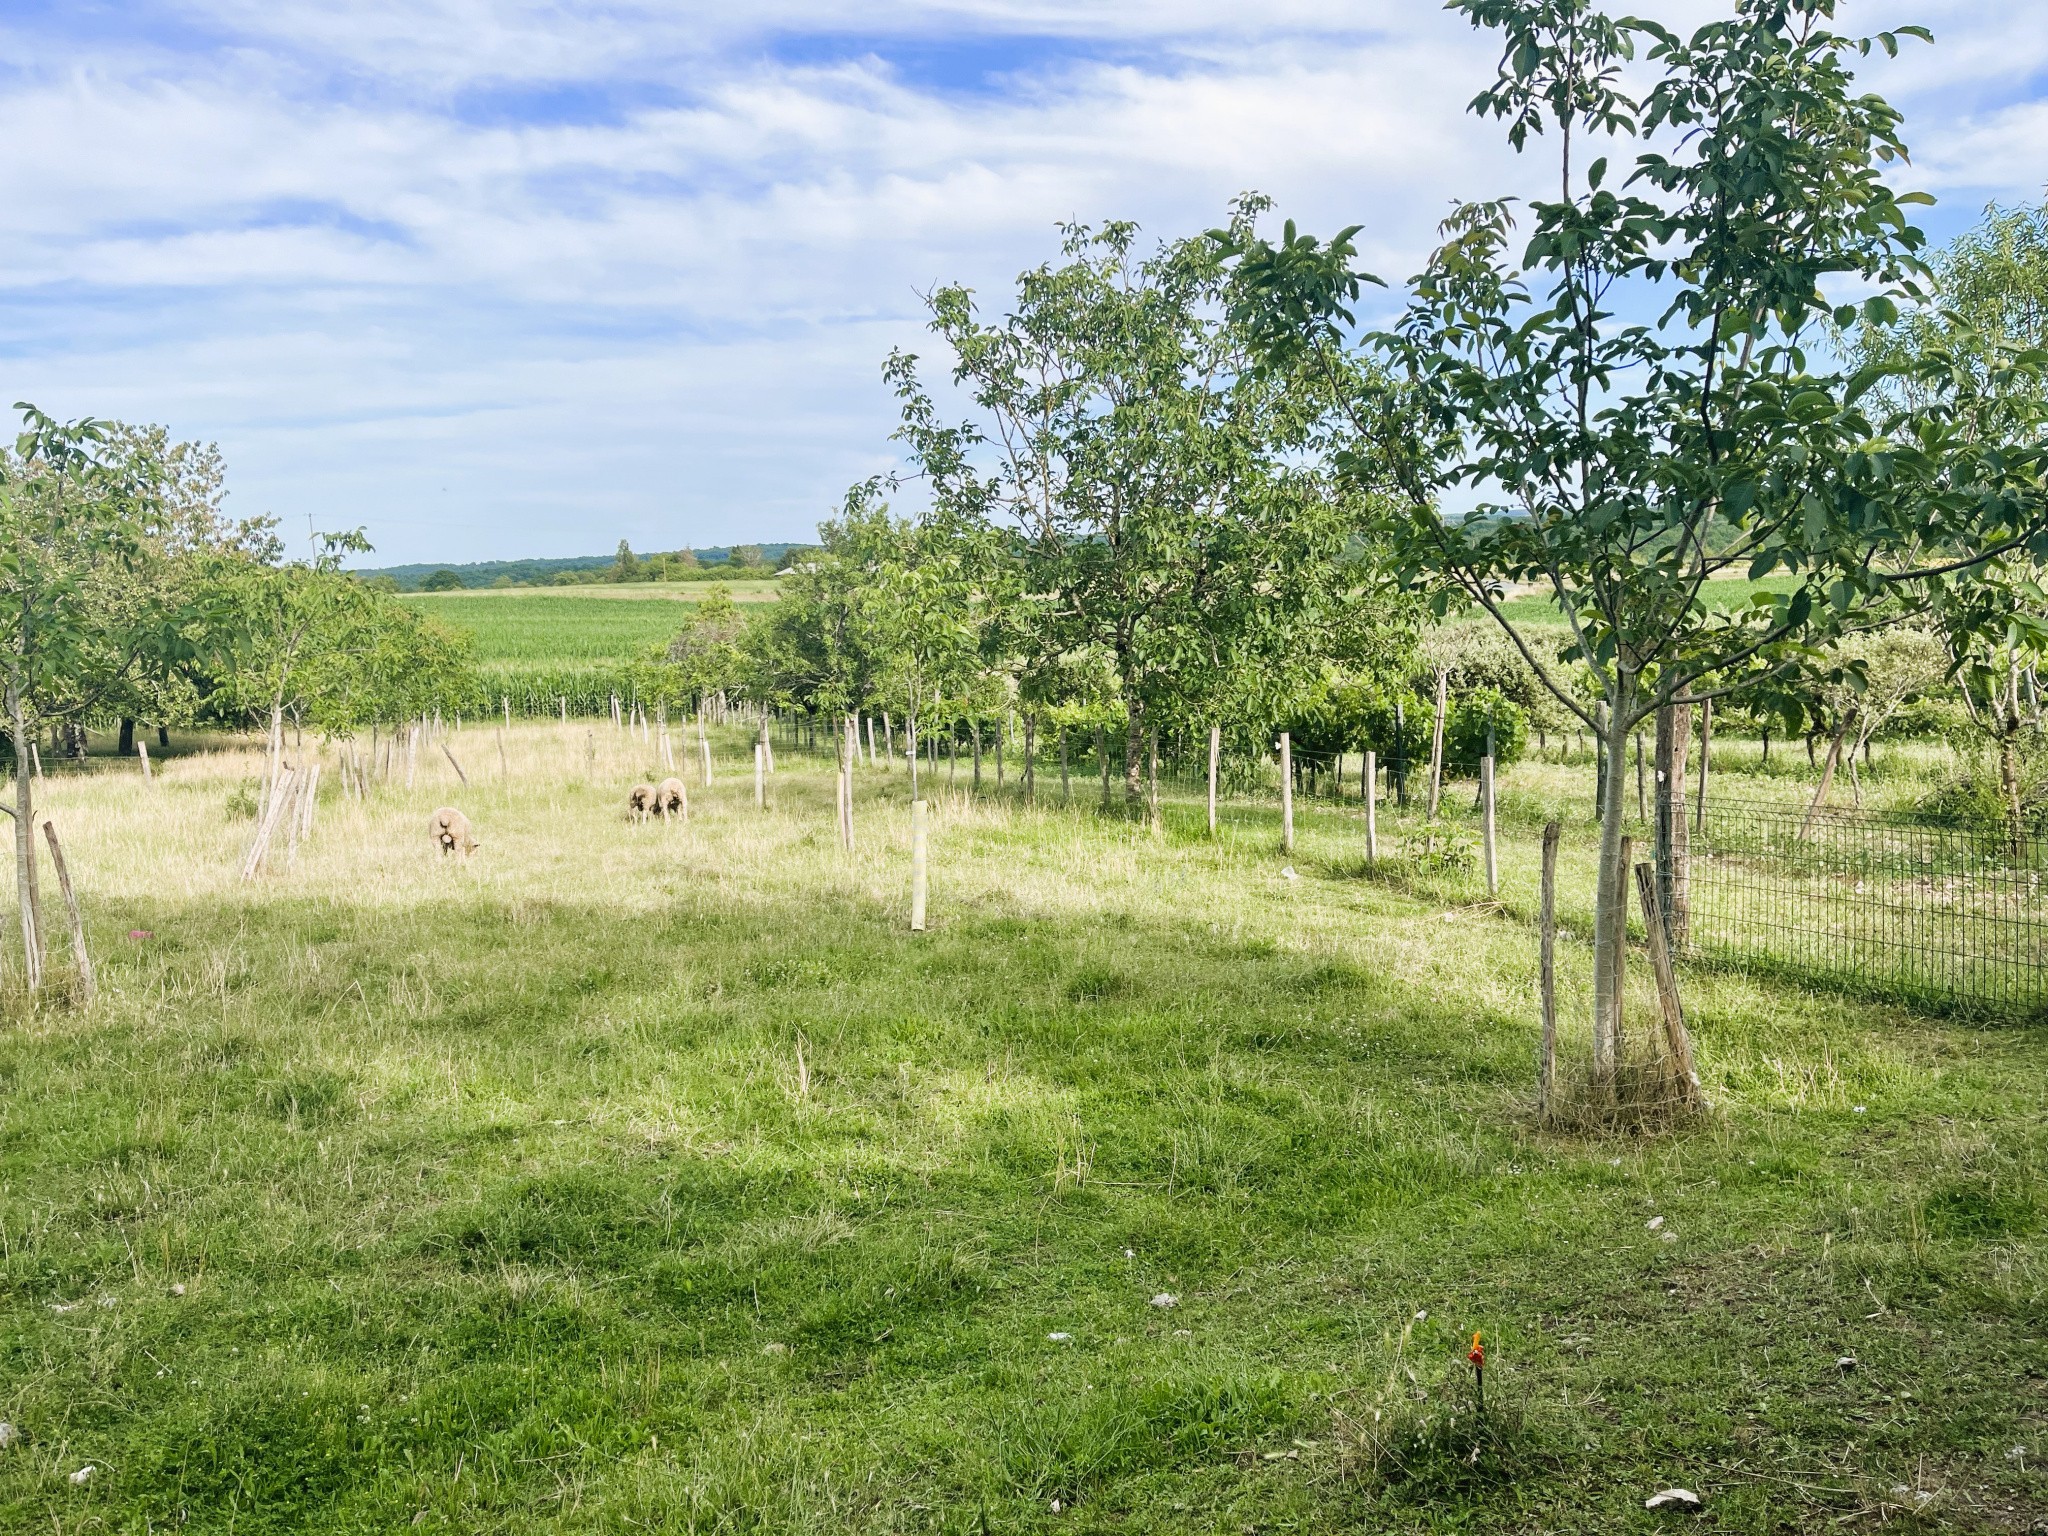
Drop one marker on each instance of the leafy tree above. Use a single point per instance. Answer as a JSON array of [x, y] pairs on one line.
[[705, 656], [1626, 397], [1148, 479], [1988, 311], [73, 514], [443, 580], [625, 565], [921, 592]]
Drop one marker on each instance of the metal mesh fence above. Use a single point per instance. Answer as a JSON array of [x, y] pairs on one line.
[[1892, 905]]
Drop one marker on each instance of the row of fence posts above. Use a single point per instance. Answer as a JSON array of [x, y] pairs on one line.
[[1369, 772]]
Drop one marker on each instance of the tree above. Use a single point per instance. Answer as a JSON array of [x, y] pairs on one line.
[[625, 565], [705, 656], [73, 514], [1989, 309], [1149, 481], [922, 593], [1628, 402], [443, 580]]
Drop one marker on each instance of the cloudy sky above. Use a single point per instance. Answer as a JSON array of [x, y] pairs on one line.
[[520, 277]]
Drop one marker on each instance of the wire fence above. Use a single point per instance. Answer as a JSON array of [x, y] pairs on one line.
[[1932, 914], [1935, 915]]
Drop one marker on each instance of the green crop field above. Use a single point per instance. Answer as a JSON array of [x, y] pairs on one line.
[[528, 629]]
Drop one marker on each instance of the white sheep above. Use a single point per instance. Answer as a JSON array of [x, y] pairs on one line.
[[671, 798], [450, 830], [640, 802]]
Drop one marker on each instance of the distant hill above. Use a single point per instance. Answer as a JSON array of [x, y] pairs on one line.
[[484, 573]]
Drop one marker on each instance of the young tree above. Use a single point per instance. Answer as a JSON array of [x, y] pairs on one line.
[[72, 515], [1989, 309], [924, 592], [1628, 400], [1149, 480]]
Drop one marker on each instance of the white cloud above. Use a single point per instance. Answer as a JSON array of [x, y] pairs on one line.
[[284, 228]]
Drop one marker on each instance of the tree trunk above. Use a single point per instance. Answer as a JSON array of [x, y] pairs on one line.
[[1612, 894], [1030, 758], [2009, 784], [126, 744], [1827, 777], [1134, 756], [1670, 830]]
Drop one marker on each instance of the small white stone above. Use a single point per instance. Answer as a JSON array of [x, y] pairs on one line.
[[1846, 1363], [774, 1349], [1673, 1498], [1859, 1109], [8, 1434], [178, 1289], [1289, 874], [1166, 1299], [1059, 1338], [1057, 1506], [83, 1475], [1654, 1223]]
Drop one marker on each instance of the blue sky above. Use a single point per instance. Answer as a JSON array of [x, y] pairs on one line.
[[528, 277]]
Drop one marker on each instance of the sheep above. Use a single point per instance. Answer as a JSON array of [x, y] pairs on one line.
[[640, 802], [449, 829], [671, 798]]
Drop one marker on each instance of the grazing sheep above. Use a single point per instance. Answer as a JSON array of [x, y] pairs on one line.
[[640, 802], [671, 798], [450, 831]]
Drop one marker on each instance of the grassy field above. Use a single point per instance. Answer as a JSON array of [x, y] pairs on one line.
[[654, 1178], [527, 628]]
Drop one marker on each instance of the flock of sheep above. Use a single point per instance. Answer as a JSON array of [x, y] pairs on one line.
[[451, 833]]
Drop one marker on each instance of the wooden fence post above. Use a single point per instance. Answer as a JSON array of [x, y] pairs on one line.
[[142, 751], [1546, 976], [760, 779], [1617, 1039], [1152, 779], [267, 825], [1031, 758], [1489, 844], [1675, 1034], [455, 765], [1286, 793], [704, 742], [1215, 760], [1436, 744], [1699, 815], [1371, 770], [86, 985], [919, 861]]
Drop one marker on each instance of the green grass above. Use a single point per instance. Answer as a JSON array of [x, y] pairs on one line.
[[657, 1179], [549, 628], [1541, 607]]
